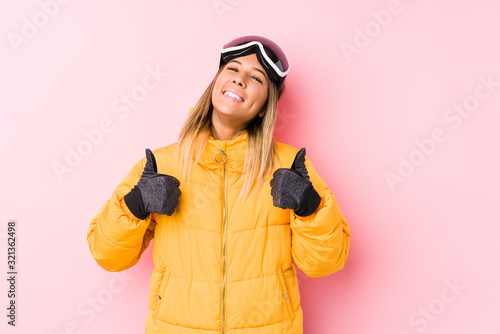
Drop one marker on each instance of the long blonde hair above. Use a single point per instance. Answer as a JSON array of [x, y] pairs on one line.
[[261, 148]]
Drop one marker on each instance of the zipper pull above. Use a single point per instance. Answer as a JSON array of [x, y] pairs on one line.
[[224, 157]]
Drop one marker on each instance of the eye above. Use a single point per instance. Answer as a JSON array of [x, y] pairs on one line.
[[232, 69], [257, 79]]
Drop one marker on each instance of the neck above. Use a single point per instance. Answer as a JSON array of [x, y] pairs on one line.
[[225, 134], [222, 131]]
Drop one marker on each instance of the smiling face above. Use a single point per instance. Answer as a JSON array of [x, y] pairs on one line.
[[239, 94]]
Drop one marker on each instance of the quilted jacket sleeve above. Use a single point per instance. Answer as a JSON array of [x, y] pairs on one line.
[[116, 237], [320, 242]]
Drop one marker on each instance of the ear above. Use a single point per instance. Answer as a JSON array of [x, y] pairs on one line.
[[261, 114]]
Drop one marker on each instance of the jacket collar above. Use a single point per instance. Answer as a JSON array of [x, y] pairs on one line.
[[234, 153]]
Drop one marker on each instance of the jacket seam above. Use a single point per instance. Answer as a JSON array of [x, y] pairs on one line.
[[195, 280], [255, 228], [248, 279], [200, 229], [202, 184], [115, 244], [274, 323], [199, 328]]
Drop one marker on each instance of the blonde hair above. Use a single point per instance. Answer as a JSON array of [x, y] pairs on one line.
[[261, 148]]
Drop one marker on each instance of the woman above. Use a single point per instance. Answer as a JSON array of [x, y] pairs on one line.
[[228, 208]]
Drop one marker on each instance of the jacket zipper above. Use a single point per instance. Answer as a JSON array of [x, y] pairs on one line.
[[224, 241]]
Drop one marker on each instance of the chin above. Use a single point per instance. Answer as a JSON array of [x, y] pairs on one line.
[[226, 108]]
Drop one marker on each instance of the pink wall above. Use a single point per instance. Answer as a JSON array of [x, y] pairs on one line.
[[396, 101]]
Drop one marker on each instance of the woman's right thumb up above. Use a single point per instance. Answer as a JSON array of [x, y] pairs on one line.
[[160, 192]]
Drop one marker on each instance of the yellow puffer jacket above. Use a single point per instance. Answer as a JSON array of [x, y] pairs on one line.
[[222, 267]]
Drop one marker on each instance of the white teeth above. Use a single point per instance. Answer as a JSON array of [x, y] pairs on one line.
[[234, 96]]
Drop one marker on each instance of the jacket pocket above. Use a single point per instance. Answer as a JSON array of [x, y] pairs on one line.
[[159, 282], [285, 293]]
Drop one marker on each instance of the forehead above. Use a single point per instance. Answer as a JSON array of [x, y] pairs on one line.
[[249, 61]]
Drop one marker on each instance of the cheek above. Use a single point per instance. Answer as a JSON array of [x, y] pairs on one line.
[[219, 81], [262, 97], [216, 91], [213, 93]]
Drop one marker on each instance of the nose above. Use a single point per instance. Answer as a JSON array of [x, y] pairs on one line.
[[239, 80]]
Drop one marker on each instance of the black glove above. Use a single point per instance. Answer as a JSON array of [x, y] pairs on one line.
[[154, 192], [291, 188]]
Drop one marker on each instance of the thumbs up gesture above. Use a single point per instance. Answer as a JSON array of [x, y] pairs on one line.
[[154, 192], [291, 188]]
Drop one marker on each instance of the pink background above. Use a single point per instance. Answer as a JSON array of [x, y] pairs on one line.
[[424, 250]]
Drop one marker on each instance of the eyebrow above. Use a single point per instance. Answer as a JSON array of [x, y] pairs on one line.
[[255, 68]]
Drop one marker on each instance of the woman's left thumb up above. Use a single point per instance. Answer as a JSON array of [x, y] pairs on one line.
[[299, 163]]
